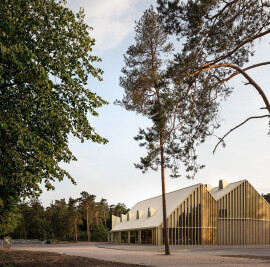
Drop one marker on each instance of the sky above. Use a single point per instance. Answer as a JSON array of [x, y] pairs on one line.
[[108, 170]]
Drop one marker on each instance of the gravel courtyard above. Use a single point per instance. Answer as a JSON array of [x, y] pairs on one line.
[[255, 255]]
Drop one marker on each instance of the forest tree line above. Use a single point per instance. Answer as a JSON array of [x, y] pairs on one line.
[[80, 219], [83, 219]]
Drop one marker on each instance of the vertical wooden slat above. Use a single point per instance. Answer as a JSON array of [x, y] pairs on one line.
[[195, 214]]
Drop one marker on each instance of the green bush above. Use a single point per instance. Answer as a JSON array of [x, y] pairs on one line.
[[99, 233], [82, 236]]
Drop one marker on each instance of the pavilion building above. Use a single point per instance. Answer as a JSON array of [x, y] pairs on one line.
[[232, 213]]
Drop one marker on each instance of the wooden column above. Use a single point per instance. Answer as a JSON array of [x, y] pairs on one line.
[[128, 237]]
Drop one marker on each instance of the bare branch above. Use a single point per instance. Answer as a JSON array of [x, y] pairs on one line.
[[222, 139]]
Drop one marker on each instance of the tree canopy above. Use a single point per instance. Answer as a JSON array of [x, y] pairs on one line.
[[46, 61], [218, 39], [63, 220]]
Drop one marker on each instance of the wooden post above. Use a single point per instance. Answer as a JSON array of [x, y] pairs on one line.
[[128, 237], [140, 237]]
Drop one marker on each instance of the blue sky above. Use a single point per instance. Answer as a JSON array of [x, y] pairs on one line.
[[108, 171]]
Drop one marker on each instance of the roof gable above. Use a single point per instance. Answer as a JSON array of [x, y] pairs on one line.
[[219, 193], [173, 200]]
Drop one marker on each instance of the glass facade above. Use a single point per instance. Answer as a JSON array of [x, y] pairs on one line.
[[146, 236]]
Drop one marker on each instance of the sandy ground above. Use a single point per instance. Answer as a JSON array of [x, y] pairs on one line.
[[153, 256]]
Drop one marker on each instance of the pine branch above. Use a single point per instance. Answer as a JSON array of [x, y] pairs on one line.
[[207, 67], [259, 35], [222, 139], [248, 68]]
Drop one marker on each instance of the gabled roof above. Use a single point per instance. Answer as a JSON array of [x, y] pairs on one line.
[[219, 193], [174, 199]]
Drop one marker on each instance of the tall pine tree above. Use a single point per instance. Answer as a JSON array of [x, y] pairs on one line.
[[152, 93]]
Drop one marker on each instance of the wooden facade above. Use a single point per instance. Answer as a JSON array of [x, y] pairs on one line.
[[194, 221], [243, 217], [238, 215]]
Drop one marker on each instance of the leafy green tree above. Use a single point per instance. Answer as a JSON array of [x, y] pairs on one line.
[[88, 207], [99, 233], [218, 39], [46, 62], [152, 93], [10, 218]]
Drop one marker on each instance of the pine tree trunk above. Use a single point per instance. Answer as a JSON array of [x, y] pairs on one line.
[[76, 234], [87, 225], [165, 229], [24, 228]]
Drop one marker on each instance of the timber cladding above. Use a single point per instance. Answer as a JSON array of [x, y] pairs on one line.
[[230, 214], [194, 221], [243, 217]]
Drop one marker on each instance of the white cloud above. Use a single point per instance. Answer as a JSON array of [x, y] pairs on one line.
[[112, 20]]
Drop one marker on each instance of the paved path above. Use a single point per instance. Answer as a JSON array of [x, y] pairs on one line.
[[153, 255]]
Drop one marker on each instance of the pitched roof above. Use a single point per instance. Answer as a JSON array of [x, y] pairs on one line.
[[173, 199], [219, 193]]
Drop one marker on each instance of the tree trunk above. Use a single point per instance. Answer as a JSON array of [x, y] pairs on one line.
[[24, 228], [76, 234], [87, 225], [165, 229]]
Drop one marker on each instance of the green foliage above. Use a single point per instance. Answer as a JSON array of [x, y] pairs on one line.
[[150, 91], [229, 26], [267, 197], [88, 208], [9, 218], [118, 209], [74, 218], [61, 220], [99, 233], [218, 39], [82, 236], [46, 61], [33, 223]]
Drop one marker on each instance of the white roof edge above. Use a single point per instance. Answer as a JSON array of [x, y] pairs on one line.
[[225, 191], [174, 199], [183, 200], [166, 193]]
